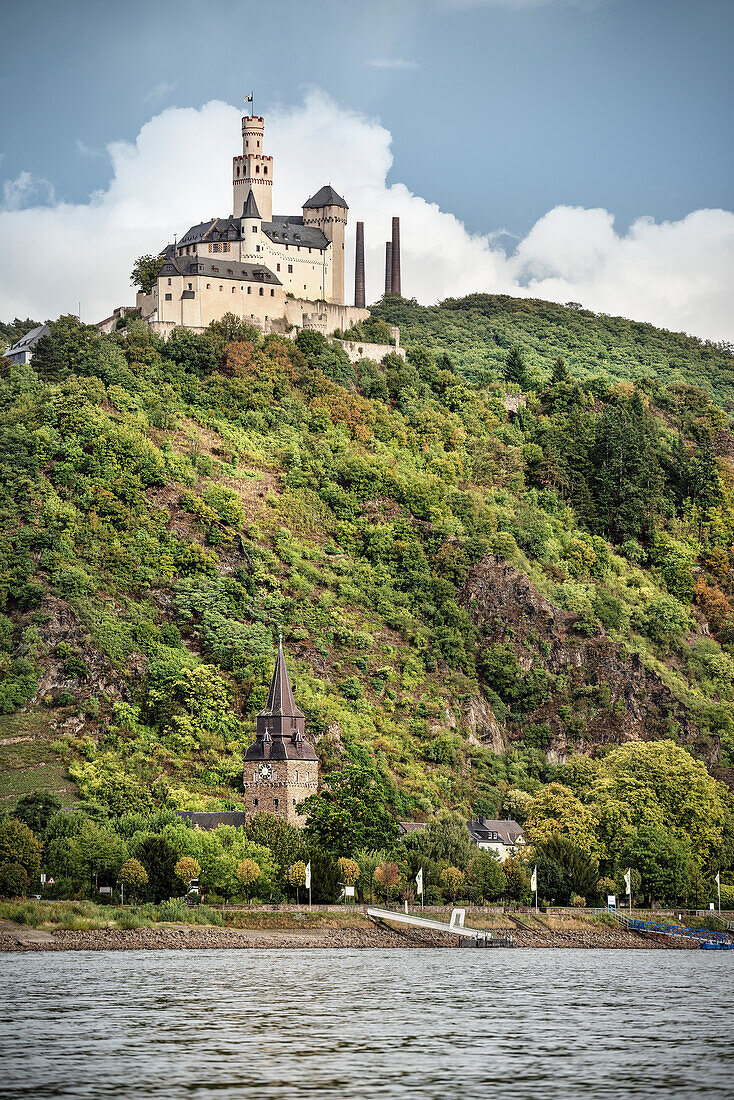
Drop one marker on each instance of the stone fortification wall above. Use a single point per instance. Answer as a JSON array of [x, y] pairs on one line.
[[358, 349]]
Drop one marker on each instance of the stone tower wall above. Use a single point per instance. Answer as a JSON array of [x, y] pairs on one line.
[[294, 781], [253, 170], [332, 221]]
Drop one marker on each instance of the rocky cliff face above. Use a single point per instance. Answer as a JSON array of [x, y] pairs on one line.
[[592, 692]]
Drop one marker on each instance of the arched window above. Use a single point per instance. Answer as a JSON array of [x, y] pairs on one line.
[[275, 803], [257, 169], [265, 170]]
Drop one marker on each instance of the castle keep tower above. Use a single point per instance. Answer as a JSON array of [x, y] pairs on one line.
[[328, 210], [281, 767], [253, 171]]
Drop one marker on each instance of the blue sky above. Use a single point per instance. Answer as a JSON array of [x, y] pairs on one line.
[[499, 110]]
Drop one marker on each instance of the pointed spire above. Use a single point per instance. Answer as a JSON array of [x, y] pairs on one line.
[[250, 209], [280, 698]]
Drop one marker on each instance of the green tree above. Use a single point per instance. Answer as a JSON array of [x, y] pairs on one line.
[[515, 370], [187, 869], [159, 859], [518, 881], [283, 839], [37, 809], [13, 880], [486, 874], [662, 857], [556, 810], [348, 870], [133, 875], [577, 871], [445, 839], [19, 845], [295, 876], [350, 812], [144, 274], [248, 871], [452, 878]]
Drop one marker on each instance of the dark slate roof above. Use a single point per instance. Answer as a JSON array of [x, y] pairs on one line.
[[326, 196], [250, 209], [209, 821], [217, 229], [410, 827], [289, 229], [281, 748], [219, 267], [485, 830], [29, 341], [281, 703]]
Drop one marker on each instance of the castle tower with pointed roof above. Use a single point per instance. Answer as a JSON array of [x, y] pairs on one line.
[[281, 767]]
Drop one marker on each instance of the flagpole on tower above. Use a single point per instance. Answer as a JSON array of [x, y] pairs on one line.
[[250, 99]]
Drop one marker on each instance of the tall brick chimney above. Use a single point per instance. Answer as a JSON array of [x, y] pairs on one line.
[[388, 267], [359, 299], [395, 279]]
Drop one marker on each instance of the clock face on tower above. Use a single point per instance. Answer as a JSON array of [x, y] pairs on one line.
[[265, 770]]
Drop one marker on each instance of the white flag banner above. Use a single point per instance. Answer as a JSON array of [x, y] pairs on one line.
[[628, 882], [307, 883], [718, 878], [534, 880], [419, 881]]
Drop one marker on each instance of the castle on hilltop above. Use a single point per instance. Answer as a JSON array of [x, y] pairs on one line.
[[276, 271]]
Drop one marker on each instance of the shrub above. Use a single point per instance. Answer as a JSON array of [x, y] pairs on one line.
[[577, 902]]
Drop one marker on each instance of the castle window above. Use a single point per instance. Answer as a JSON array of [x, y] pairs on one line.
[[272, 293], [190, 286], [277, 268], [275, 803], [290, 269], [238, 169], [257, 169], [254, 229], [221, 288], [265, 170], [233, 289], [249, 290], [215, 247], [169, 297], [261, 292], [254, 801], [169, 282], [296, 777], [208, 286]]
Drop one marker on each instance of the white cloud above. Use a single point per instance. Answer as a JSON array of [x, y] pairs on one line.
[[159, 92], [397, 63], [85, 150], [679, 275], [27, 190]]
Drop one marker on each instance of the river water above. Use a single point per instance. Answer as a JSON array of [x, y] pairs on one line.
[[274, 1025]]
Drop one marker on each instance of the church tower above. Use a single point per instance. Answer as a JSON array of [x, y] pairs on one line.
[[253, 171], [280, 767]]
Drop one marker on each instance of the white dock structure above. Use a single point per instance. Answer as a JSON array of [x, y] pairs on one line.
[[481, 936]]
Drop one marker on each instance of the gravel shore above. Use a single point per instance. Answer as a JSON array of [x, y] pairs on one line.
[[21, 938]]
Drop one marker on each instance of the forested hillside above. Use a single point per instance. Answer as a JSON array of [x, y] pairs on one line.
[[478, 331], [493, 565]]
